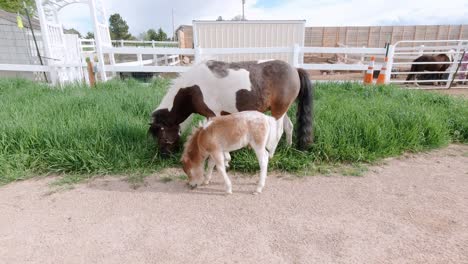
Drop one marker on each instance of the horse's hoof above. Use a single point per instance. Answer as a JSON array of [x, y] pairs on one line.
[[228, 192], [255, 193], [206, 182]]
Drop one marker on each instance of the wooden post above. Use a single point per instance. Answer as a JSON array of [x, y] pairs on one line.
[[323, 40], [391, 38], [357, 37], [92, 78], [380, 37], [346, 36], [448, 34], [368, 36]]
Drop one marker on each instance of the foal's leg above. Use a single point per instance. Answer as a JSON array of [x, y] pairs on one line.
[[227, 159], [209, 172], [218, 158], [288, 129], [262, 156]]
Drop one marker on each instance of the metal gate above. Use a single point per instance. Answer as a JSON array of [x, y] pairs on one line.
[[448, 70]]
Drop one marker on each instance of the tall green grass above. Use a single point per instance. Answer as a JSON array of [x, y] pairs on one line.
[[83, 131]]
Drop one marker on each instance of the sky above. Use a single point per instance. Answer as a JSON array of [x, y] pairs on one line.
[[144, 14]]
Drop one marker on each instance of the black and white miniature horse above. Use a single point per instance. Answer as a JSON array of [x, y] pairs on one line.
[[215, 88]]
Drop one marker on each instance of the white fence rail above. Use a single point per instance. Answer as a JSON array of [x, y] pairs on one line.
[[172, 59], [203, 54]]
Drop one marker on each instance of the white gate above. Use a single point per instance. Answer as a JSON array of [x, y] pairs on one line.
[[62, 51], [64, 56], [450, 73]]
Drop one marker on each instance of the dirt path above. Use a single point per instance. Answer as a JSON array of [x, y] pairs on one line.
[[411, 210]]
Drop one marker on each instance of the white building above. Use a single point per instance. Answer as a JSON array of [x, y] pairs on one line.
[[249, 34]]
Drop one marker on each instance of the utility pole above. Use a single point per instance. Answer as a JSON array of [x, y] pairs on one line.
[[173, 31], [243, 15]]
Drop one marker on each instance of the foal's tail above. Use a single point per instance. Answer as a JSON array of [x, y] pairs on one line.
[[305, 107]]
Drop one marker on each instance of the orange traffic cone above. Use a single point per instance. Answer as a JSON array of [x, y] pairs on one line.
[[383, 72], [369, 77]]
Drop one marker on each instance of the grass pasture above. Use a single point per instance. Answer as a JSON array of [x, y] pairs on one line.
[[81, 131]]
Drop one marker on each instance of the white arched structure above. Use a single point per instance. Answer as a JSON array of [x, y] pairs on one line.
[[59, 48]]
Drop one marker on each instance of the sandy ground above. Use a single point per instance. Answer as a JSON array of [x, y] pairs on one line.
[[412, 209]]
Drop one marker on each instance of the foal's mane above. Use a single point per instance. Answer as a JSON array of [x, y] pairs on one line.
[[191, 147]]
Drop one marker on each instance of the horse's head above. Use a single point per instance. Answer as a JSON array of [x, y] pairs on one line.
[[193, 160], [194, 172], [165, 133]]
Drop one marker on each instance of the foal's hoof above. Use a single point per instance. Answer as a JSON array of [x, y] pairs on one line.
[[206, 182], [192, 185]]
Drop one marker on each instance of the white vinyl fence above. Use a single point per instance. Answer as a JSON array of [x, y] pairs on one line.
[[171, 59]]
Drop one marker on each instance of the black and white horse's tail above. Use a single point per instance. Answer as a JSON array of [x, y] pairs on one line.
[[305, 108]]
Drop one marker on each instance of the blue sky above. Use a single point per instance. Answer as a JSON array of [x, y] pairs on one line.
[[144, 14], [268, 3]]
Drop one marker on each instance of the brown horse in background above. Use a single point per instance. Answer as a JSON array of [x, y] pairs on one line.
[[443, 58]]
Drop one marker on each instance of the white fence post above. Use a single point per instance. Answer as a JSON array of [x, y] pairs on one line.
[[197, 54], [46, 39], [155, 56], [453, 66], [140, 59], [98, 40], [391, 54], [295, 57]]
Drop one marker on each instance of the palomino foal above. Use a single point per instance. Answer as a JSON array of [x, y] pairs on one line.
[[228, 133]]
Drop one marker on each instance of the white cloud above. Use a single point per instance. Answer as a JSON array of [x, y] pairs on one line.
[[144, 14]]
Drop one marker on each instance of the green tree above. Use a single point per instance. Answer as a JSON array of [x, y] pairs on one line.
[[161, 36], [17, 5], [89, 35], [72, 31], [151, 34], [118, 27]]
